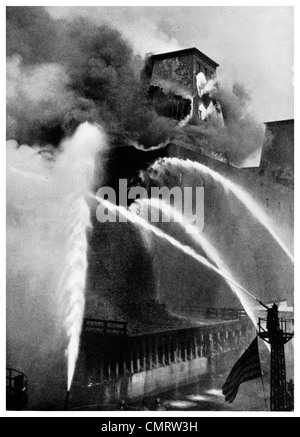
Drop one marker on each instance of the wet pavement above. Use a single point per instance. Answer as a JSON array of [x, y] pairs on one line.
[[206, 395]]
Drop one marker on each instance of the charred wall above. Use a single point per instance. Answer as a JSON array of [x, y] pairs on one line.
[[172, 86], [177, 70], [170, 104], [175, 73]]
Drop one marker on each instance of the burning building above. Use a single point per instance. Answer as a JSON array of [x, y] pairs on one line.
[[181, 84], [95, 108], [125, 273], [269, 183]]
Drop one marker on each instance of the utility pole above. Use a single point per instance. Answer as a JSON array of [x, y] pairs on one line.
[[273, 330]]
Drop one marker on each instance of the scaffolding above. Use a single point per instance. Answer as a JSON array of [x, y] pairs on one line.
[[277, 332]]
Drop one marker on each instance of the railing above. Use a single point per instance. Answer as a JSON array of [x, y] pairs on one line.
[[285, 325], [105, 327], [16, 389], [157, 349], [12, 376], [149, 351], [213, 313]]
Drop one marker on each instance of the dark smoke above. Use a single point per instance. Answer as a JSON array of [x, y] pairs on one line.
[[61, 74], [240, 137]]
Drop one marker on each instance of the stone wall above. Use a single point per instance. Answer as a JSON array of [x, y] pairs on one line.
[[113, 368]]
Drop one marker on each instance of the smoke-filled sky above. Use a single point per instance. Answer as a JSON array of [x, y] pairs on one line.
[[253, 45], [62, 72]]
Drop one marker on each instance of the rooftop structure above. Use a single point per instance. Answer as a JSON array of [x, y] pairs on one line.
[[175, 84]]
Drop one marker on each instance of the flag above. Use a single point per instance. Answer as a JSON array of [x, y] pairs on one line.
[[245, 369]]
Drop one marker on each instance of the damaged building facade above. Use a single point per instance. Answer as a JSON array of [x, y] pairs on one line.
[[185, 76], [180, 85], [248, 250]]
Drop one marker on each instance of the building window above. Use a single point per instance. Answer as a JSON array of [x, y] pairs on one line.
[[198, 67], [267, 201], [205, 72]]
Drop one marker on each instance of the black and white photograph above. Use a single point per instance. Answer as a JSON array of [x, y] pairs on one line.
[[149, 210]]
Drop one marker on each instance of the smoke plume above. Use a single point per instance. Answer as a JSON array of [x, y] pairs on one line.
[[66, 73], [43, 185], [63, 73], [241, 135]]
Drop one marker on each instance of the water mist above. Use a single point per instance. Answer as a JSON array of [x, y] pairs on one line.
[[245, 198], [210, 251], [144, 224], [47, 222]]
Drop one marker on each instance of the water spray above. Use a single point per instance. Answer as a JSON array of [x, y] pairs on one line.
[[71, 286], [29, 175], [245, 198], [208, 248], [186, 249], [262, 304]]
